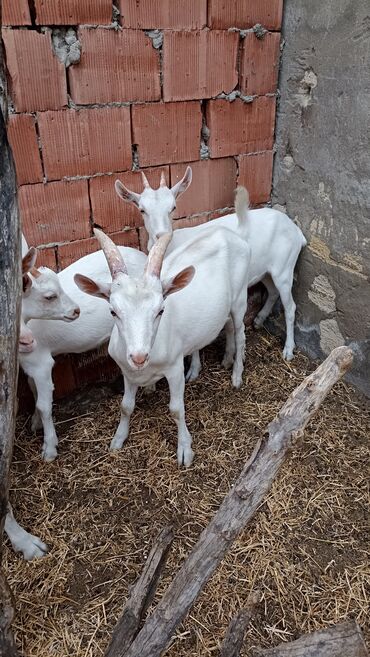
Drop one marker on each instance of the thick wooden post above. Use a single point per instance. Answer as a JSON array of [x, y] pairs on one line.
[[10, 296]]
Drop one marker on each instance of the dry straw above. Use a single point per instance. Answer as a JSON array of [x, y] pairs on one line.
[[306, 551]]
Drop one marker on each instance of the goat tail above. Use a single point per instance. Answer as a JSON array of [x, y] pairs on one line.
[[241, 209]]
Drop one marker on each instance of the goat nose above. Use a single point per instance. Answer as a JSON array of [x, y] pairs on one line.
[[139, 359], [76, 311]]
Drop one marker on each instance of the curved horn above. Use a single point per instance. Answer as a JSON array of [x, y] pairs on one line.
[[156, 254], [112, 254], [145, 179], [163, 180]]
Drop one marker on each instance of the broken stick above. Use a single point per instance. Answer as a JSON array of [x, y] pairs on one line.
[[344, 640]]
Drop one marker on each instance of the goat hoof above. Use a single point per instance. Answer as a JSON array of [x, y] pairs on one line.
[[227, 362], [288, 354], [115, 445], [49, 454], [185, 456], [35, 548], [36, 423], [258, 322], [192, 374], [237, 380]]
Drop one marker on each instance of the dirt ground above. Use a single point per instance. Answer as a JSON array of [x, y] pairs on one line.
[[307, 550]]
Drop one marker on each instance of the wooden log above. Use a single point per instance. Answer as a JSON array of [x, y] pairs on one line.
[[234, 637], [239, 506], [141, 596], [344, 640], [10, 295]]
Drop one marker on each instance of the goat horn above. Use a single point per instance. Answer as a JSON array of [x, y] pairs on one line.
[[145, 179], [163, 180], [111, 252], [156, 254]]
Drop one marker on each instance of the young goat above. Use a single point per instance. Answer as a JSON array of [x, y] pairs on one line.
[[47, 298], [274, 239], [154, 329]]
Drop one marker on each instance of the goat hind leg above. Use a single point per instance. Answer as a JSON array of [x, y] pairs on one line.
[[272, 297], [229, 354], [194, 368], [285, 291]]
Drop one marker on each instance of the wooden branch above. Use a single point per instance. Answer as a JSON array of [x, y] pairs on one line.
[[234, 637], [141, 596], [344, 640], [10, 296], [239, 506]]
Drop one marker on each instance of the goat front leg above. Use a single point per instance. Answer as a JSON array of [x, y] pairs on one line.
[[228, 358], [195, 367], [29, 545], [41, 375], [176, 382], [127, 406]]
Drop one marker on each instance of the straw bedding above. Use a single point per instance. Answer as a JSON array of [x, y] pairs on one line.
[[306, 550]]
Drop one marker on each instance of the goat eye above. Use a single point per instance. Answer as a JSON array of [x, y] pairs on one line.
[[113, 313], [160, 312], [51, 297]]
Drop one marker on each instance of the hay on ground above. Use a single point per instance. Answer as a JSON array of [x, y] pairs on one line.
[[306, 551]]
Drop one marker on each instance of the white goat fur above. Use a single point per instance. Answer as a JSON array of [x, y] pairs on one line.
[[274, 239], [92, 328], [192, 318]]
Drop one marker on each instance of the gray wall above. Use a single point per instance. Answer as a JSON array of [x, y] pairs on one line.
[[322, 171]]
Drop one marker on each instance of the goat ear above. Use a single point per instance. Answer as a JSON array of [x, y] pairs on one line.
[[26, 283], [126, 194], [90, 287], [183, 184], [29, 260], [181, 280]]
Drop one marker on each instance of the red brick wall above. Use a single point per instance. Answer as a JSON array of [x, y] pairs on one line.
[[127, 105]]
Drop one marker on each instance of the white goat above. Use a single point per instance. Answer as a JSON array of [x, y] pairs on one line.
[[154, 328], [274, 239], [47, 298], [22, 541]]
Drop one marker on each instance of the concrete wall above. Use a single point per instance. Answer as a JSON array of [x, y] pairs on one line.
[[322, 171]]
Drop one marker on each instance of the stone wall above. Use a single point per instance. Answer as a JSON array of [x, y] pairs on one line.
[[322, 171]]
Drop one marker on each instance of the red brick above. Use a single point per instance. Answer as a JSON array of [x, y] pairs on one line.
[[166, 14], [167, 132], [199, 64], [73, 12], [55, 212], [255, 173], [94, 366], [47, 258], [126, 238], [16, 12], [143, 239], [23, 140], [212, 186], [37, 78], [259, 66], [109, 211], [240, 127], [189, 222], [84, 142], [245, 13], [63, 377], [115, 66], [72, 251]]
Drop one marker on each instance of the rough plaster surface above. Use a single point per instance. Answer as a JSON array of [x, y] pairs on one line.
[[322, 171]]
